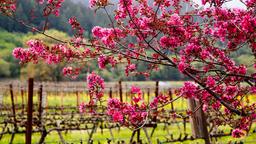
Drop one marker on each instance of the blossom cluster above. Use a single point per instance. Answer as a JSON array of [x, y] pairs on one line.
[[38, 50], [70, 71], [189, 90], [95, 85], [158, 100], [103, 60], [126, 114], [79, 31], [108, 35], [52, 7], [7, 6]]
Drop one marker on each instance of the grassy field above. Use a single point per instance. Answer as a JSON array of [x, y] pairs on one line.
[[125, 134]]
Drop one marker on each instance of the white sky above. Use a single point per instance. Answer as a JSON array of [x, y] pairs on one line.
[[231, 4]]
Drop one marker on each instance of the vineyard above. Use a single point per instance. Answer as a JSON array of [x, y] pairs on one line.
[[49, 113]]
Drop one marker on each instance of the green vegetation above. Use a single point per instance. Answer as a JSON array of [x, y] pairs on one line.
[[29, 12], [124, 134], [54, 99]]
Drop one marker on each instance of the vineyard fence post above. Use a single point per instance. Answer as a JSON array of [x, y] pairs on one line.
[[120, 91], [29, 111], [198, 121]]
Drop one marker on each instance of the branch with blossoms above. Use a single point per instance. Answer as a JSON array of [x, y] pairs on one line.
[[199, 43]]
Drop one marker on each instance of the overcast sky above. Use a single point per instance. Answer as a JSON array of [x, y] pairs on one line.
[[231, 4]]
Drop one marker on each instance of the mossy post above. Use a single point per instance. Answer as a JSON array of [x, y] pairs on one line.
[[198, 121]]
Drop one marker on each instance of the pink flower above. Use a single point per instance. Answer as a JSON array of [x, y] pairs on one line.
[[67, 71], [210, 81], [95, 85], [130, 68], [182, 66], [174, 20], [253, 90], [164, 41], [189, 90], [108, 36], [22, 54], [237, 133], [13, 7], [242, 70], [82, 107], [216, 105], [135, 90], [96, 31], [161, 99], [117, 117], [92, 3], [137, 99], [102, 61]]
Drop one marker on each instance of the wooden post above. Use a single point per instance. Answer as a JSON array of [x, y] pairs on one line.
[[110, 93], [40, 109], [22, 100], [126, 95], [148, 95], [120, 91], [198, 121], [77, 99], [170, 95], [138, 136], [143, 96], [13, 107], [14, 115], [62, 101], [45, 101], [157, 89], [156, 94], [29, 111]]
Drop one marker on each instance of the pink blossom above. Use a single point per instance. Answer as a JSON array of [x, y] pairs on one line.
[[189, 90], [253, 89], [210, 81], [164, 41], [96, 31], [82, 107], [96, 85], [216, 105], [182, 66], [174, 20], [130, 68], [108, 36], [92, 3], [237, 133], [137, 99], [67, 70], [160, 99], [135, 90], [22, 54], [117, 117], [102, 61]]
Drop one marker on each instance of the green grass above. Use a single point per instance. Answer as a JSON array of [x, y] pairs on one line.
[[124, 134]]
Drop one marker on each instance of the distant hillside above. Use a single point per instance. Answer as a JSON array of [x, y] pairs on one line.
[[29, 12]]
